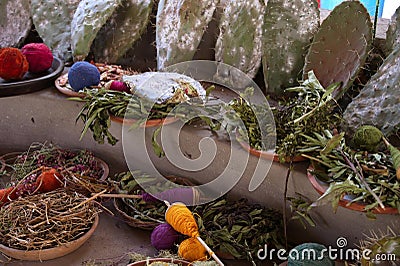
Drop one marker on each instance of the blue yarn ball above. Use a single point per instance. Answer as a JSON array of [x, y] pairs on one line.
[[83, 74], [309, 254]]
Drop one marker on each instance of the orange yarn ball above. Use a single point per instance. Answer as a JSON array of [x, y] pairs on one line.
[[192, 250], [13, 64], [182, 220]]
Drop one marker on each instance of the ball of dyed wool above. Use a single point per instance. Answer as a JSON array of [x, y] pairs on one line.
[[39, 56], [163, 237], [13, 64], [83, 74], [312, 254], [116, 85], [192, 250]]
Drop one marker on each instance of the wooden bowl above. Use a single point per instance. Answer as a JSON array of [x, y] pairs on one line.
[[321, 188], [149, 261], [50, 253]]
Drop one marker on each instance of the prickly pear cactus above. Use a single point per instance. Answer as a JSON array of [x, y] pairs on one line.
[[52, 20], [88, 19], [393, 31], [240, 32], [378, 102], [15, 22], [387, 247], [288, 30], [180, 25], [340, 47], [124, 27]]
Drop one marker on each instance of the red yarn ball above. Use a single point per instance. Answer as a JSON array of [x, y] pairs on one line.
[[39, 56], [164, 237], [13, 64]]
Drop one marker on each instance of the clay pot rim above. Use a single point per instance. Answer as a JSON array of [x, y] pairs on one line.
[[266, 154], [148, 123]]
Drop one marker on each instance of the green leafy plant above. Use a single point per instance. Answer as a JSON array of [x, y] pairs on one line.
[[368, 177], [311, 109], [101, 103]]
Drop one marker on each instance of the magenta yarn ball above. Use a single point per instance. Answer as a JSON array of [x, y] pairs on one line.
[[164, 237], [39, 56], [119, 86]]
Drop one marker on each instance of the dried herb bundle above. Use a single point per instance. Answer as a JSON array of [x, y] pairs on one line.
[[38, 155], [101, 103], [311, 110], [239, 228], [250, 114], [45, 220], [367, 177]]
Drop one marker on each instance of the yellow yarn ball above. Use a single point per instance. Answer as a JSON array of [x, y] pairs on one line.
[[182, 220], [192, 250]]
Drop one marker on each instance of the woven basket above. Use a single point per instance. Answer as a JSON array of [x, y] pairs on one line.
[[9, 158], [147, 223]]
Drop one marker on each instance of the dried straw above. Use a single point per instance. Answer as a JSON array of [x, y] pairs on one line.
[[46, 220]]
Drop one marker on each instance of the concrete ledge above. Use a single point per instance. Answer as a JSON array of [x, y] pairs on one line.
[[48, 116]]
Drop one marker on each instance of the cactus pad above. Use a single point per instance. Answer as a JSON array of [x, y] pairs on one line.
[[15, 22], [378, 102], [123, 28], [239, 40], [180, 25], [341, 46], [393, 31], [288, 30], [88, 19], [52, 20]]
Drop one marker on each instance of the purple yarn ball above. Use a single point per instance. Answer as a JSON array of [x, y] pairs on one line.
[[164, 237], [83, 74], [119, 86]]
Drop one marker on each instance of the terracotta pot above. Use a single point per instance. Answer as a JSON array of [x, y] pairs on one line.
[[321, 187], [149, 261], [267, 154], [50, 253], [148, 123]]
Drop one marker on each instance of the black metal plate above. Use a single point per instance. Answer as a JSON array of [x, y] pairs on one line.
[[32, 82]]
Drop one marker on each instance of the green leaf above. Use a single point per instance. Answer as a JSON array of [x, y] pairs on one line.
[[236, 229], [158, 150], [332, 144]]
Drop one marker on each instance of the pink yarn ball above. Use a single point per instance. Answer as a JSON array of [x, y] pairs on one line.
[[163, 237], [119, 86], [39, 57]]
